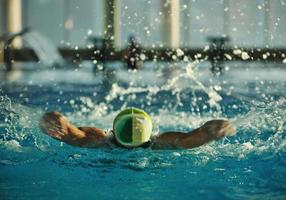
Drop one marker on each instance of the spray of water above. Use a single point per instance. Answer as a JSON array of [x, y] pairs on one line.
[[45, 50], [260, 129]]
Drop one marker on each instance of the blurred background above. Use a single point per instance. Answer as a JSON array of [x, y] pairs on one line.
[[251, 23], [198, 26]]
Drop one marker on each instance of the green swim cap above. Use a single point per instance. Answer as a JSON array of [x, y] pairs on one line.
[[132, 127]]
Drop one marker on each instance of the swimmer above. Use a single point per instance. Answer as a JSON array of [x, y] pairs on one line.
[[132, 128]]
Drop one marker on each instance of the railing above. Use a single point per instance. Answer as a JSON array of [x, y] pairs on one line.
[[217, 53]]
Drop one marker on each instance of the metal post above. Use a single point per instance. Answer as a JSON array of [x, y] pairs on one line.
[[112, 23], [68, 21], [146, 23], [117, 21], [226, 21], [186, 21], [267, 22], [13, 20], [171, 23]]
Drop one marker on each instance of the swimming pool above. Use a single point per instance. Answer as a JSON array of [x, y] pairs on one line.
[[250, 165]]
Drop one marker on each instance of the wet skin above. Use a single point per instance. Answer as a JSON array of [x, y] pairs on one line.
[[57, 126]]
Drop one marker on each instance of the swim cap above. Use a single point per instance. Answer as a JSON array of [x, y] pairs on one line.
[[132, 127]]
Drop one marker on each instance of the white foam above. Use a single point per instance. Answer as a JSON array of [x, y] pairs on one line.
[[12, 145]]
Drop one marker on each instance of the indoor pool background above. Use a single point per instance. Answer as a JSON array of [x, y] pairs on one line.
[[249, 165]]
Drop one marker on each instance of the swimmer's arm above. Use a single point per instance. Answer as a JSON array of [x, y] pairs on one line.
[[211, 130], [57, 126]]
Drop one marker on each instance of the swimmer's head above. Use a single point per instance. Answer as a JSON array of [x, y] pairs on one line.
[[132, 127]]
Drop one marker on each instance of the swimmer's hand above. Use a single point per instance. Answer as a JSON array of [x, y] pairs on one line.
[[57, 126], [217, 129]]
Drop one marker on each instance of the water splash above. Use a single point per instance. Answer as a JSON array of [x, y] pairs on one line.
[[261, 129], [46, 51], [19, 124], [269, 116]]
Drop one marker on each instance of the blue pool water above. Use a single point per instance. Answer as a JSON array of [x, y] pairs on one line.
[[249, 165]]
